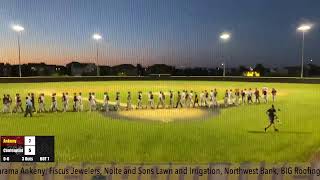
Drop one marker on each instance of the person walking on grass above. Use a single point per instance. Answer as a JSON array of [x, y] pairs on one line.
[[171, 99], [29, 107], [80, 102], [274, 93], [18, 106], [179, 103], [41, 103], [106, 102], [129, 103], [117, 106], [243, 96], [272, 116], [196, 100], [237, 94], [257, 95], [139, 104], [161, 101], [265, 94], [151, 100], [92, 102], [54, 103], [64, 102], [249, 96], [33, 102]]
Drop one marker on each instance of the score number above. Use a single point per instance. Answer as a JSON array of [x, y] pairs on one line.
[[6, 159]]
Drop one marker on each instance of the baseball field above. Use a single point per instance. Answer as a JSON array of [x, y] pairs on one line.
[[234, 134]]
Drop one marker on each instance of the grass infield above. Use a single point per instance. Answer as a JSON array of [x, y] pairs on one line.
[[234, 135]]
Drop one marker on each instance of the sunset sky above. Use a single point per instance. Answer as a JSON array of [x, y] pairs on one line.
[[177, 32]]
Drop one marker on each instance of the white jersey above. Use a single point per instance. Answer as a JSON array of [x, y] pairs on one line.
[[79, 99], [105, 99], [183, 95], [190, 96], [160, 97], [93, 99], [211, 95], [42, 98]]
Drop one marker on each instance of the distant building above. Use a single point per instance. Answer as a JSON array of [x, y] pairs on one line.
[[160, 69], [81, 69], [278, 72], [296, 70], [5, 70], [39, 69], [124, 70], [105, 70]]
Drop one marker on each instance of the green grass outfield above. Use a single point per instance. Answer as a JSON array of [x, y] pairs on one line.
[[235, 135]]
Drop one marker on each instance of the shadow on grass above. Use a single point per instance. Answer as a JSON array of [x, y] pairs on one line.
[[279, 132]]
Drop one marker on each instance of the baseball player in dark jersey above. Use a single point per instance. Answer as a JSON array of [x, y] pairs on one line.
[[274, 93], [243, 96], [206, 98], [265, 94], [257, 95], [272, 116], [249, 96], [33, 102], [215, 98], [196, 100], [171, 96]]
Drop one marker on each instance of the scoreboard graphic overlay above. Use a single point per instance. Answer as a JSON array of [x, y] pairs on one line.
[[27, 149]]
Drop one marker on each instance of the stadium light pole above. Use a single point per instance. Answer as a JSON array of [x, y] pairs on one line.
[[224, 69], [303, 28], [18, 29], [225, 37], [97, 37]]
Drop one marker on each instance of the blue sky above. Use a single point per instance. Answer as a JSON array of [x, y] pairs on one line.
[[178, 32]]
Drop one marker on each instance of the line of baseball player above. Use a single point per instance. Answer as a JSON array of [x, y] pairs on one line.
[[183, 99]]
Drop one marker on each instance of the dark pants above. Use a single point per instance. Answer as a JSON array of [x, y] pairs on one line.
[[28, 111], [179, 103]]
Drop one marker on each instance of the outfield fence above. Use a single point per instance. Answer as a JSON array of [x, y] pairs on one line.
[[152, 78]]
